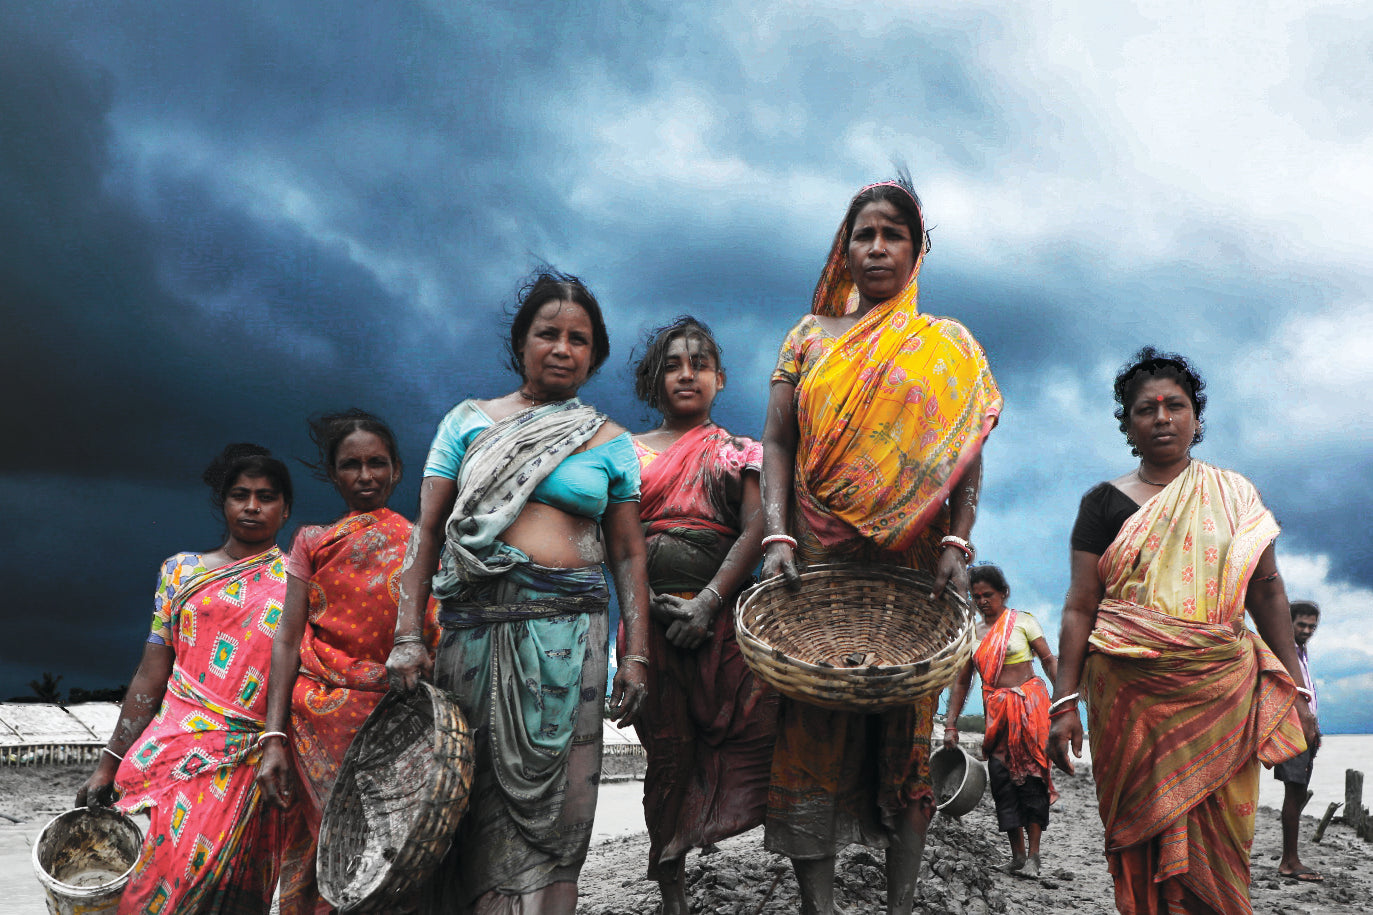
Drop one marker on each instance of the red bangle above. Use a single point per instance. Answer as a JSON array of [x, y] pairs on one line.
[[1066, 708]]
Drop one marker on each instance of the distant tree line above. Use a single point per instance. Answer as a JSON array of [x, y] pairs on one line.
[[46, 690]]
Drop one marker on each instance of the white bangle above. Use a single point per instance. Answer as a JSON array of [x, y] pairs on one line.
[[718, 596], [262, 738], [964, 546], [1071, 697], [112, 753], [1306, 692], [779, 538]]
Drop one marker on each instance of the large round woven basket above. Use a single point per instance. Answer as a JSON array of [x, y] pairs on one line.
[[856, 638], [401, 790]]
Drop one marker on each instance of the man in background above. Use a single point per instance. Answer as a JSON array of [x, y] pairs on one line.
[[1295, 773]]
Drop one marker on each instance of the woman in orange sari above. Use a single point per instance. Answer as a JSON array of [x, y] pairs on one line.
[[1183, 701], [1016, 703], [872, 452], [329, 660], [707, 725], [212, 847]]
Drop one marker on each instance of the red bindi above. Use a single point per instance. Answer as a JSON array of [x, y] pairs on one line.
[[1160, 398]]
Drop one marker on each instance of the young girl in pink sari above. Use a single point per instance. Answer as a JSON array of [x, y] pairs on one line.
[[211, 846], [707, 726]]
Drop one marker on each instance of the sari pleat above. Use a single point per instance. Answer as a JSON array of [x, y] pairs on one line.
[[1017, 717]]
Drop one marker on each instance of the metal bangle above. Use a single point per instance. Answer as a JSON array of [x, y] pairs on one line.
[[634, 657], [959, 543], [718, 596], [403, 639], [112, 753], [262, 738], [1306, 692]]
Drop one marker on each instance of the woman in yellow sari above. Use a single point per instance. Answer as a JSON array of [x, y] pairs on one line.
[[871, 452], [1183, 701]]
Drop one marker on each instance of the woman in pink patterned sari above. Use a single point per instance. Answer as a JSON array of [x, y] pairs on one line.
[[1184, 701], [212, 847], [329, 661], [707, 725]]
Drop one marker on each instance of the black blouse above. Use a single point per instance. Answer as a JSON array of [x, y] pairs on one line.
[[1100, 516]]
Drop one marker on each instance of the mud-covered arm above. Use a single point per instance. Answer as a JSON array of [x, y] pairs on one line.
[[409, 661], [628, 560], [780, 436], [141, 702]]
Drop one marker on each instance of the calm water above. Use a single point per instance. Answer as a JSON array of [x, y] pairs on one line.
[[1338, 752]]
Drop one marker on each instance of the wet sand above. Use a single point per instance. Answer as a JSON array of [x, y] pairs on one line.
[[960, 874]]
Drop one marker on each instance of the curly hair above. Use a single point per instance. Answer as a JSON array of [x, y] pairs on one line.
[[648, 373], [244, 458], [1150, 363], [549, 285], [329, 430], [992, 575]]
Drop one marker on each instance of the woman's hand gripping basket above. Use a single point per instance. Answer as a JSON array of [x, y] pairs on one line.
[[401, 790], [855, 638]]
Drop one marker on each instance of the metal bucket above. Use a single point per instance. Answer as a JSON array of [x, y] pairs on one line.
[[959, 780], [84, 858]]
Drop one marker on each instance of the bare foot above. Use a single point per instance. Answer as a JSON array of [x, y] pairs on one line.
[[1017, 862], [1031, 868]]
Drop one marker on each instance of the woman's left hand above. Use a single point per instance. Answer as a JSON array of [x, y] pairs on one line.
[[691, 626], [627, 693], [952, 568]]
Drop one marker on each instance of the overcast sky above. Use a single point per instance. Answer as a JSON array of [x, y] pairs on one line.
[[221, 218]]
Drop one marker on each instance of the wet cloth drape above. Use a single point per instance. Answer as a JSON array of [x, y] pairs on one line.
[[352, 568], [524, 653], [211, 845], [1018, 716], [1183, 700], [888, 414], [707, 725]]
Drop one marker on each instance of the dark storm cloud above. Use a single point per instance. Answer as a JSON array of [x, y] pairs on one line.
[[222, 218]]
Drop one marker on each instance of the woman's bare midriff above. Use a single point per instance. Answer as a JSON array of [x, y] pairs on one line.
[[552, 537]]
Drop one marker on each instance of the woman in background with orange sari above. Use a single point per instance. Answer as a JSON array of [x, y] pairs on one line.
[[329, 659], [1183, 701], [707, 725], [872, 452], [1016, 704]]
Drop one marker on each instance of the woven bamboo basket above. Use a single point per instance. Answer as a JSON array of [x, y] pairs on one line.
[[401, 790], [855, 638]]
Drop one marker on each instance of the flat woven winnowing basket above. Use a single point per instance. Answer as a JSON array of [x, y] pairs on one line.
[[856, 638], [401, 790]]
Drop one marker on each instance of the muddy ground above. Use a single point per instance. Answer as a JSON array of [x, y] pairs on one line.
[[961, 875]]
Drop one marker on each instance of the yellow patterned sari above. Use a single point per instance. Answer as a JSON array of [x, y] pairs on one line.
[[890, 417], [1184, 701]]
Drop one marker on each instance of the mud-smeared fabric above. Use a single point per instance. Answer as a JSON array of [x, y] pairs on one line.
[[525, 656], [1184, 701], [352, 571], [211, 845], [707, 725]]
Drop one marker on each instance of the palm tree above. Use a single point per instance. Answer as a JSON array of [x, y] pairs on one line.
[[46, 689]]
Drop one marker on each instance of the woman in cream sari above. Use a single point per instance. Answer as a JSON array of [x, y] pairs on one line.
[[872, 452], [527, 495], [1183, 700]]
